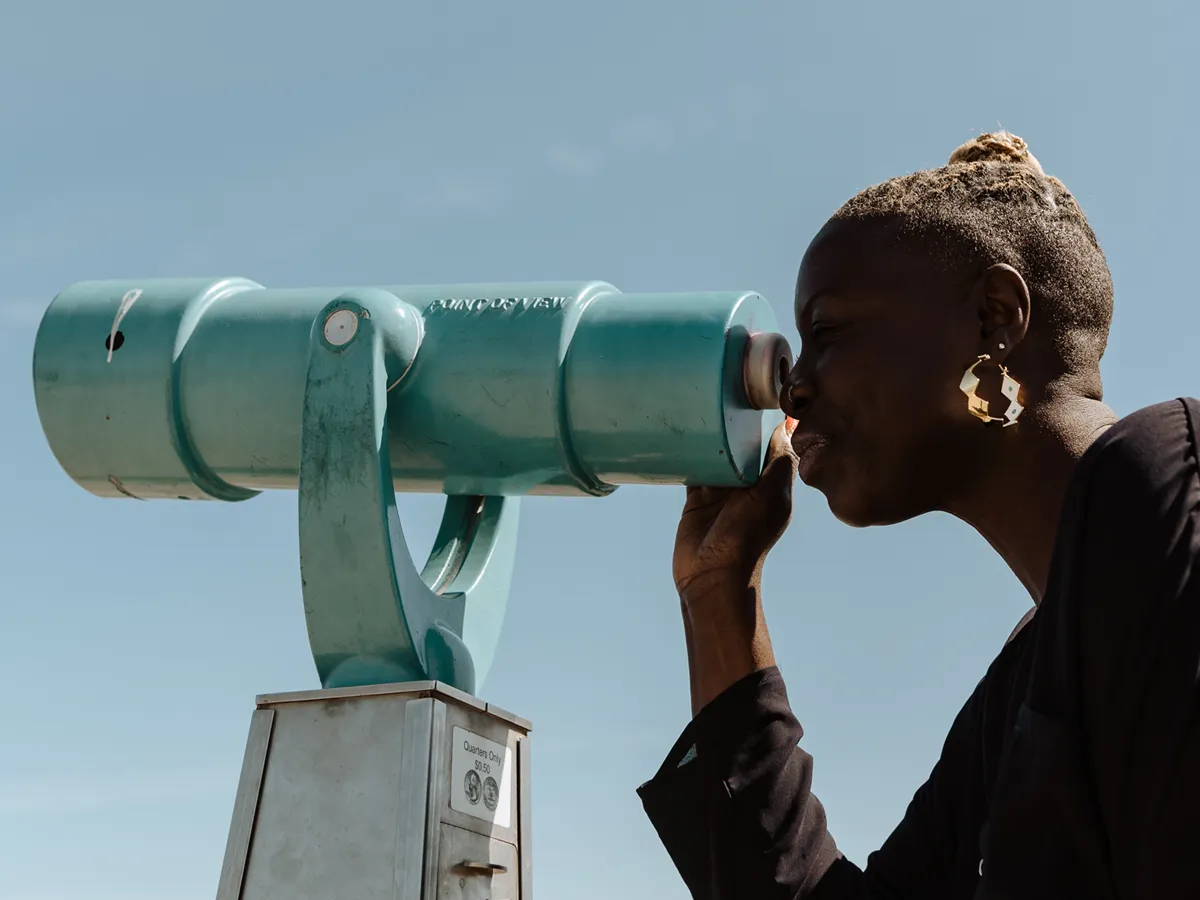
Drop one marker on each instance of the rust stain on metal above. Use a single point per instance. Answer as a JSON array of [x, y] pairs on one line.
[[116, 482]]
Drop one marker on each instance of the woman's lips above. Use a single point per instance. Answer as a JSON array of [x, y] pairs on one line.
[[808, 448]]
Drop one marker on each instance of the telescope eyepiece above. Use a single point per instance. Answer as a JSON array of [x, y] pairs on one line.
[[768, 361]]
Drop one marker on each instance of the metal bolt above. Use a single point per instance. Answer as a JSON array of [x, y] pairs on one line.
[[341, 327]]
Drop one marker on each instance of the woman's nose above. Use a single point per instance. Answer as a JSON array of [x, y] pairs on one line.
[[797, 392]]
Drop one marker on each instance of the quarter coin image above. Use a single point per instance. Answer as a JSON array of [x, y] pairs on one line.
[[491, 793], [472, 787]]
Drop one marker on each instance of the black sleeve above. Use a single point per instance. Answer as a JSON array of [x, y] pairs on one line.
[[734, 808], [1138, 589]]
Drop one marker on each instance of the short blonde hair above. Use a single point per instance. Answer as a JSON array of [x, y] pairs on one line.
[[993, 203]]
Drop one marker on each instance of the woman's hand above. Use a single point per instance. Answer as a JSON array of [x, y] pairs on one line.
[[725, 534], [722, 542]]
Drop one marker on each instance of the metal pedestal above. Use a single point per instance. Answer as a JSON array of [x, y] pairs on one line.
[[413, 791]]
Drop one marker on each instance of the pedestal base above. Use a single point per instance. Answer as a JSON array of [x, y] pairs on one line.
[[411, 791]]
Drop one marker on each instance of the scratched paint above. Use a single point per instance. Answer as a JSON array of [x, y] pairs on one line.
[[116, 482], [130, 298]]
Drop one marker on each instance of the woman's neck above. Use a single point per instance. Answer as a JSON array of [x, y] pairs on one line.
[[1017, 501]]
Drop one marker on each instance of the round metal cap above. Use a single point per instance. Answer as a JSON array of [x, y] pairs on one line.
[[341, 327]]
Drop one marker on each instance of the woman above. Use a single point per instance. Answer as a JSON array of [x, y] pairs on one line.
[[953, 323]]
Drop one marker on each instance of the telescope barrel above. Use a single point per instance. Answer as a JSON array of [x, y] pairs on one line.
[[194, 388]]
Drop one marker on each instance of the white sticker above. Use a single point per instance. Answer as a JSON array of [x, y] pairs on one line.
[[481, 778]]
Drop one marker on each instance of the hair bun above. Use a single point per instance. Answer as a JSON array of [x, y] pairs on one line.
[[998, 146]]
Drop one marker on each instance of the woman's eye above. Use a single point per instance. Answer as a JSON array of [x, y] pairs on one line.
[[822, 332]]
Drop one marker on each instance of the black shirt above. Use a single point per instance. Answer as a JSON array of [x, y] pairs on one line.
[[1073, 770]]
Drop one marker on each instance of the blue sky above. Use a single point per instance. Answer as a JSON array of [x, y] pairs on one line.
[[656, 145]]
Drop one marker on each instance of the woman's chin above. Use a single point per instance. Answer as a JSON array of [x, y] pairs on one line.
[[852, 507], [851, 514], [868, 512]]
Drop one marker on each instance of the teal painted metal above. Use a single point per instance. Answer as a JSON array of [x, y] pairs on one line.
[[371, 617], [221, 388]]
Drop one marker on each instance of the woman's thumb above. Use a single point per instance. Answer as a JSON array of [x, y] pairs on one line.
[[779, 467]]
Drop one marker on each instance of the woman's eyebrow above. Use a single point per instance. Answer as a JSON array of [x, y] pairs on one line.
[[822, 301]]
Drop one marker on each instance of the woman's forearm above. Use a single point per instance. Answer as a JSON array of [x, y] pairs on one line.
[[727, 638]]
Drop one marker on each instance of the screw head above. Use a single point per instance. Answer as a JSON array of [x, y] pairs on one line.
[[340, 327]]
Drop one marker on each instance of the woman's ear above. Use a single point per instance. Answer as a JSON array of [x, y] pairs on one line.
[[1003, 308]]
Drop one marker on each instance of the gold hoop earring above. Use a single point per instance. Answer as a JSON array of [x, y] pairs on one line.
[[978, 407]]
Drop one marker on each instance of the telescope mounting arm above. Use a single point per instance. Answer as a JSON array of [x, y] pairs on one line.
[[371, 617]]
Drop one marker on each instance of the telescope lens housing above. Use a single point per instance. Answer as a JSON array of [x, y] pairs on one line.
[[194, 388]]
